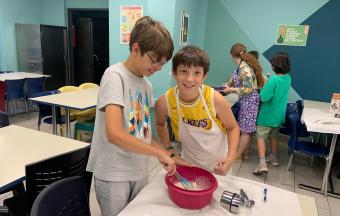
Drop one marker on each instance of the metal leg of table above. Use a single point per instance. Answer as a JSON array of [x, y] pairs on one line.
[[67, 120], [326, 178], [54, 120]]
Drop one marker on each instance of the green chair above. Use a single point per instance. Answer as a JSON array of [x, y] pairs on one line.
[[81, 127]]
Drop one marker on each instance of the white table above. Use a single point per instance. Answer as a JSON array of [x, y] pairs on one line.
[[317, 118], [154, 200], [80, 100], [21, 146], [20, 75]]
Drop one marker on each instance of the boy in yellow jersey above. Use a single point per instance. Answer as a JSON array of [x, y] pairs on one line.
[[200, 117]]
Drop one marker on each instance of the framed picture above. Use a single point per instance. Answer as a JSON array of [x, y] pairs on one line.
[[184, 28], [128, 17]]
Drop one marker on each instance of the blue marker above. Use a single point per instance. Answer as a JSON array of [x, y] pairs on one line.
[[265, 195]]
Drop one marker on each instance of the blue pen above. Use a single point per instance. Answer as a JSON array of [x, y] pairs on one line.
[[265, 195]]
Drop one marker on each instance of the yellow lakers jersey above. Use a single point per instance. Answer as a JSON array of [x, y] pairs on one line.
[[192, 113]]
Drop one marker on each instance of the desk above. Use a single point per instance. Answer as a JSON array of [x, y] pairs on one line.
[[20, 75], [154, 200], [317, 119], [80, 100], [21, 146]]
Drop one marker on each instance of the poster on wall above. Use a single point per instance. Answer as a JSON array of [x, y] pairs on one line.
[[184, 28], [292, 35], [128, 17]]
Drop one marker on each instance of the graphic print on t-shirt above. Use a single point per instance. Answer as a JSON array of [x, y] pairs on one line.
[[139, 124]]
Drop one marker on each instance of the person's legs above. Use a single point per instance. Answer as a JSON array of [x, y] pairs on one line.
[[244, 142], [272, 158], [261, 134], [112, 197], [136, 187]]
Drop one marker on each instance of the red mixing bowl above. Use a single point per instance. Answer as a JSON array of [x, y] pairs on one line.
[[192, 199]]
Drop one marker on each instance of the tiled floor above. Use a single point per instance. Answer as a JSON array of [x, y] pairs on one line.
[[303, 172]]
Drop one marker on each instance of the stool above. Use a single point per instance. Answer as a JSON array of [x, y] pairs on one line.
[[82, 126]]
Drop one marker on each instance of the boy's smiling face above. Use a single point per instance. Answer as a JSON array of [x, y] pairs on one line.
[[189, 79]]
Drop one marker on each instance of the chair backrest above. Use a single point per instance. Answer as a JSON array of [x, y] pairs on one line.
[[293, 121], [15, 89], [35, 85], [292, 108], [41, 174], [68, 89], [88, 85], [4, 121], [2, 96], [67, 196]]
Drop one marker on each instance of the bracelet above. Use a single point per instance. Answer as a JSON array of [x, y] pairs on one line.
[[169, 148], [172, 155]]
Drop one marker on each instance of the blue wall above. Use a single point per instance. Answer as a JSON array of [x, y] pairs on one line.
[[253, 23]]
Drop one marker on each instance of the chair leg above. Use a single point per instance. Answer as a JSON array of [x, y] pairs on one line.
[[287, 168], [28, 110]]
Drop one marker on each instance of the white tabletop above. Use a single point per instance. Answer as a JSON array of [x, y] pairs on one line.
[[317, 118], [154, 200], [80, 99], [20, 75], [20, 146]]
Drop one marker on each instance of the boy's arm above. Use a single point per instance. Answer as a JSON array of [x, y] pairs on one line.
[[161, 114], [267, 92], [117, 135], [226, 116]]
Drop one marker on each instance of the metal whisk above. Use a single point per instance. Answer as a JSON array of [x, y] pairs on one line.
[[185, 182]]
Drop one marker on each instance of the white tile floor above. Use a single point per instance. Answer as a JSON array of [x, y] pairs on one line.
[[303, 172]]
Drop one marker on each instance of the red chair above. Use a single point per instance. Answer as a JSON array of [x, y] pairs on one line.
[[2, 96]]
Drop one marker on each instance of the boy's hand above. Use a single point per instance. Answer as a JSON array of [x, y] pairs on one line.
[[221, 167], [168, 163]]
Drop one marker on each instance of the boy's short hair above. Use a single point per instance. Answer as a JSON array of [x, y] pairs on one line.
[[280, 62], [191, 55], [153, 37], [254, 53]]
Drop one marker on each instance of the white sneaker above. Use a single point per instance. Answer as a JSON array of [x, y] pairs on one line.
[[261, 168], [272, 159]]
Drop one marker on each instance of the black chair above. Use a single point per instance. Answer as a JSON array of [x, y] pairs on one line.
[[14, 91], [45, 111], [34, 86], [309, 148], [41, 174], [4, 120], [64, 197]]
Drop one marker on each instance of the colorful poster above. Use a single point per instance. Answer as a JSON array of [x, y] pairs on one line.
[[292, 35], [184, 28], [128, 17]]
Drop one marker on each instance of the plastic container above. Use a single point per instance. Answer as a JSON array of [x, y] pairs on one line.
[[191, 199]]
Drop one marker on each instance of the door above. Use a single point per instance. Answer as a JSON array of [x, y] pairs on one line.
[[83, 67], [54, 55]]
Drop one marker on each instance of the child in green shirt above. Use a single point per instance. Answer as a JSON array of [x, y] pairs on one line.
[[274, 96]]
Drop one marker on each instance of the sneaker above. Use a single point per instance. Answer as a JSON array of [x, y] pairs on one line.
[[261, 168], [272, 159]]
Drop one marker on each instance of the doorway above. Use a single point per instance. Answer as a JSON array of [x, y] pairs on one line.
[[89, 45]]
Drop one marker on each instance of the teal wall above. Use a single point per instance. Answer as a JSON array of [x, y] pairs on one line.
[[15, 11], [214, 25], [222, 32]]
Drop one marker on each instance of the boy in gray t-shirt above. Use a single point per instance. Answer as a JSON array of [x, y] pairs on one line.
[[119, 149]]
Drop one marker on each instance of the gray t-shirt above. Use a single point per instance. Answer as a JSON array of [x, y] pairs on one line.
[[108, 161]]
